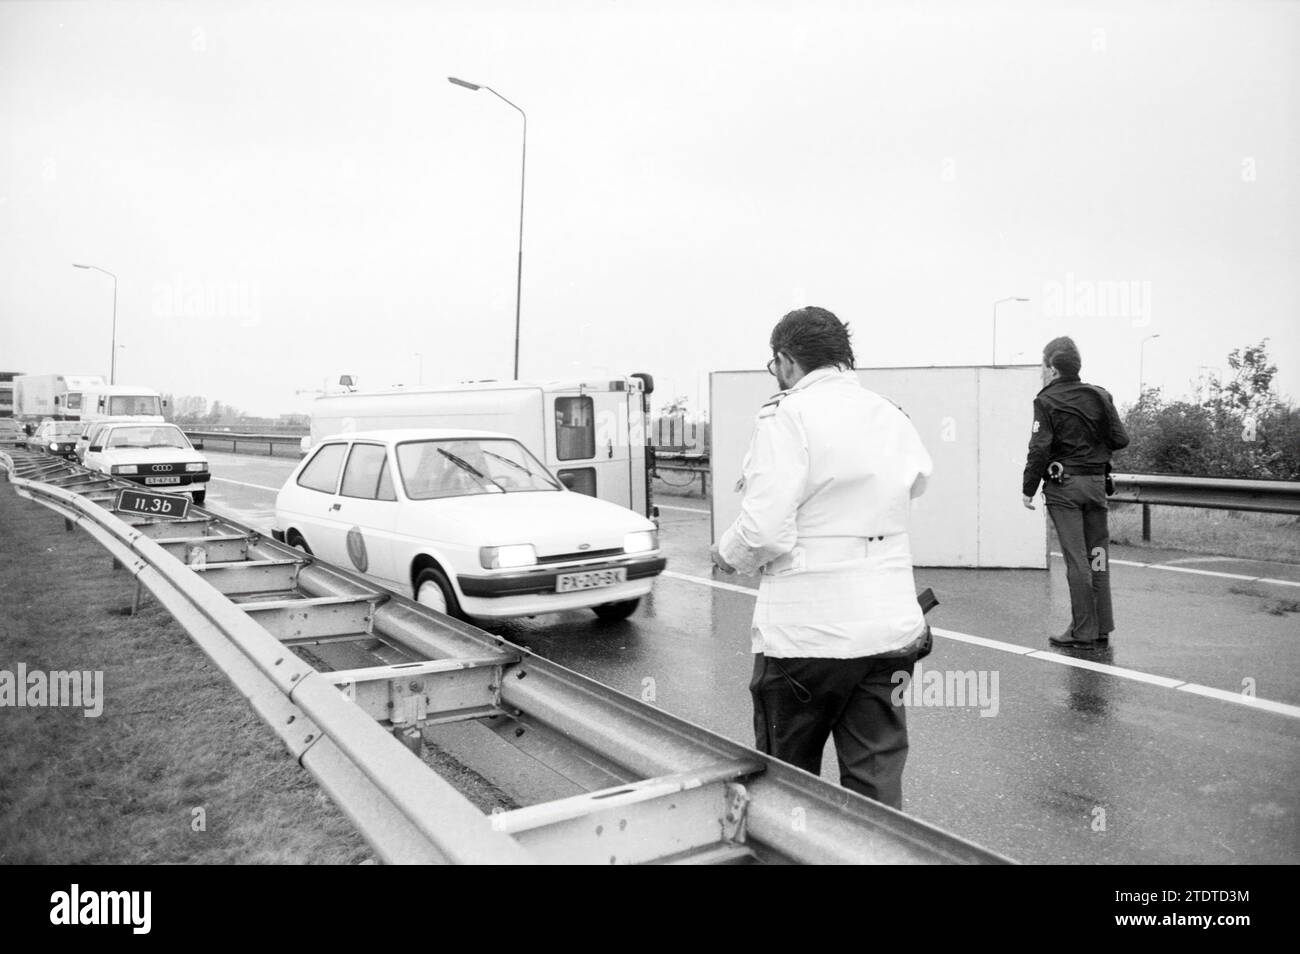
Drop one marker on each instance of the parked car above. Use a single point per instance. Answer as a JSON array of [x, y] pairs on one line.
[[11, 431], [467, 522], [158, 456], [56, 437]]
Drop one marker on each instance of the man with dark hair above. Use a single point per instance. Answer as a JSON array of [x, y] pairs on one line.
[[827, 485], [1076, 428]]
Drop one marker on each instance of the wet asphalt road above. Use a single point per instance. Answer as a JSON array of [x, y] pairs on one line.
[[1144, 753]]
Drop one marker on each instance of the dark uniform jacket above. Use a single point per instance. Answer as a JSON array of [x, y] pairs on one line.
[[1074, 423]]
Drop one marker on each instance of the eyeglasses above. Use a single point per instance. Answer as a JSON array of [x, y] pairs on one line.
[[771, 367]]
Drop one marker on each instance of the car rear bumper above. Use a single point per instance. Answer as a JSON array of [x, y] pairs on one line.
[[543, 580]]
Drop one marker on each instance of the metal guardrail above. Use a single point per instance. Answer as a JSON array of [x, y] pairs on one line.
[[272, 441], [652, 787], [687, 463], [1212, 493]]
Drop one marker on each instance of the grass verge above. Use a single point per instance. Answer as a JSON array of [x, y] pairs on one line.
[[177, 768], [1257, 536]]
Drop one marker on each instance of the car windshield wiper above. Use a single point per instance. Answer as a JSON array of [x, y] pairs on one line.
[[466, 465], [514, 464]]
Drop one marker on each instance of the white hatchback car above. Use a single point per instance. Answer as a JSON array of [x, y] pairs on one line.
[[469, 523], [157, 456]]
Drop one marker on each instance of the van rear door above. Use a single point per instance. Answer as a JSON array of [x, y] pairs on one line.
[[588, 443]]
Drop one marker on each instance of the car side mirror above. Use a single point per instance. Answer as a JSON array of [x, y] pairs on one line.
[[94, 449], [197, 445], [568, 480]]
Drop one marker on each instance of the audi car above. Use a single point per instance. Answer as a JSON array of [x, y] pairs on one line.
[[156, 456]]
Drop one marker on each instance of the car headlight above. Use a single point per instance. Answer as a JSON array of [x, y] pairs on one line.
[[54, 446], [642, 541], [504, 558], [195, 467], [124, 468]]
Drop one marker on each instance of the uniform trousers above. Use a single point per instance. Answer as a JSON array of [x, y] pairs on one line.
[[800, 702], [1079, 509]]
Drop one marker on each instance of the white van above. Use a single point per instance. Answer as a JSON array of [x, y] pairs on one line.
[[593, 435], [122, 402]]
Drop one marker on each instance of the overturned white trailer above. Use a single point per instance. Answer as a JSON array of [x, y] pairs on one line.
[[975, 423]]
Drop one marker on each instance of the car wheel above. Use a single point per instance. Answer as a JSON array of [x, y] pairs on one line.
[[613, 612], [200, 496], [295, 540], [433, 589]]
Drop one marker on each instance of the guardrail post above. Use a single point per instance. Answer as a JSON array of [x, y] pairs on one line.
[[1146, 523]]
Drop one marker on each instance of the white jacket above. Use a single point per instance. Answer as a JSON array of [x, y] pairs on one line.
[[827, 485]]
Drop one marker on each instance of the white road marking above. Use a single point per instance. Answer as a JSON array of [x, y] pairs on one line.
[[713, 583], [1182, 569], [685, 509], [240, 483], [1165, 682]]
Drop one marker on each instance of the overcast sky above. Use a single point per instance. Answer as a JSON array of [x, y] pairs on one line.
[[290, 191]]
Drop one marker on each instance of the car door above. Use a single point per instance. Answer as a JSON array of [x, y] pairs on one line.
[[366, 510], [96, 444], [306, 501]]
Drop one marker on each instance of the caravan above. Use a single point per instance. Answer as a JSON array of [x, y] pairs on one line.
[[593, 435]]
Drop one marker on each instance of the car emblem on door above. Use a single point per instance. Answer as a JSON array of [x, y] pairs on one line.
[[584, 546], [357, 549]]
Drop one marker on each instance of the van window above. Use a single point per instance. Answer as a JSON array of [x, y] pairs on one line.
[[575, 428], [366, 475], [133, 405], [74, 401], [581, 479], [322, 472]]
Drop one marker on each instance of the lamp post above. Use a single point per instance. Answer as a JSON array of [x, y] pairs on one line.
[[112, 368], [1142, 354], [1000, 301], [523, 166]]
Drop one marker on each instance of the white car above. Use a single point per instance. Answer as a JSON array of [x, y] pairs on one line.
[[156, 456], [467, 522]]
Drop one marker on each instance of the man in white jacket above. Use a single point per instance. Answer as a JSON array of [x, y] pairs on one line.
[[827, 486]]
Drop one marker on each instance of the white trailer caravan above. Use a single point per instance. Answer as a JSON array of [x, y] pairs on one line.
[[592, 434], [55, 396]]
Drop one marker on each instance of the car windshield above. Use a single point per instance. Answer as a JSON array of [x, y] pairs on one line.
[[141, 436], [463, 468], [69, 429]]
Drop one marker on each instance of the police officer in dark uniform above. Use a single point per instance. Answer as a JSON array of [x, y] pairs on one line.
[[1076, 428]]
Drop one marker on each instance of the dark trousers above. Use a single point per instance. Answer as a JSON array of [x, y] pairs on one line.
[[1078, 509], [799, 703]]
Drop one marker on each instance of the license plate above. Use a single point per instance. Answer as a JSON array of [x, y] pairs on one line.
[[591, 580], [162, 480]]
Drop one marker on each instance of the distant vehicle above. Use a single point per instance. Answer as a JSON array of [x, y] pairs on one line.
[[469, 523], [56, 437], [158, 456], [12, 432], [594, 435], [122, 402], [59, 397]]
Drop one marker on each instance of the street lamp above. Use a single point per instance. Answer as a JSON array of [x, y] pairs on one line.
[[523, 165], [1000, 301], [1142, 354], [112, 372]]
